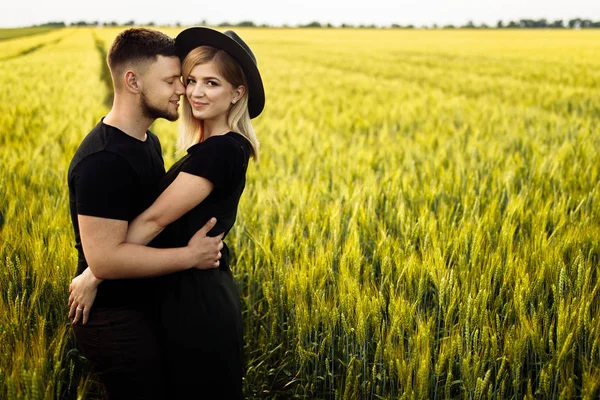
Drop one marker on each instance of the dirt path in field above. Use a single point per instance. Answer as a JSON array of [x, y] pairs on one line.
[[33, 49], [105, 72]]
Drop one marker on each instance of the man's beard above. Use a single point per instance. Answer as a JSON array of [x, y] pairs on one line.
[[153, 112]]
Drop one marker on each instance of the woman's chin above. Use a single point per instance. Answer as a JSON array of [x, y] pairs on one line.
[[198, 114]]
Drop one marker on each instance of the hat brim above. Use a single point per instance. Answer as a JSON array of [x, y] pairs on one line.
[[194, 37]]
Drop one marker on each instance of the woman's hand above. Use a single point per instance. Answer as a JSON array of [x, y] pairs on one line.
[[83, 291]]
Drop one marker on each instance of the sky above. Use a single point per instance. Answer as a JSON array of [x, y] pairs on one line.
[[15, 13]]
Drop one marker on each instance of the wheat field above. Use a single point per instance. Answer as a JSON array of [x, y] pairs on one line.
[[424, 221]]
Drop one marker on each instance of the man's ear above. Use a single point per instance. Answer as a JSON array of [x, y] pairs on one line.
[[132, 83]]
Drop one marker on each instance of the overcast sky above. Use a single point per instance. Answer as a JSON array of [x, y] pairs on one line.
[[14, 13]]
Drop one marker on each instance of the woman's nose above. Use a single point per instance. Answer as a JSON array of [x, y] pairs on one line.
[[198, 90]]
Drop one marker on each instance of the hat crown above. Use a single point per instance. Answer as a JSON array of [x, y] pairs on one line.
[[241, 43]]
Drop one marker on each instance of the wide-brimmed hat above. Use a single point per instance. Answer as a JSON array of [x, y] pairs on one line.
[[230, 42]]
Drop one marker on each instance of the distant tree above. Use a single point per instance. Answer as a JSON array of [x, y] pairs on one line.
[[403, 26], [129, 23], [246, 24], [54, 24], [575, 23], [449, 26], [500, 24], [329, 25], [225, 23], [469, 25], [178, 24], [314, 24], [531, 23], [347, 26]]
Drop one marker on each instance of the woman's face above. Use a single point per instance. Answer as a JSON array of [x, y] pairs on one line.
[[209, 94]]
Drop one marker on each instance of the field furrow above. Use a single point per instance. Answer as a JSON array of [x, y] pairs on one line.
[[22, 46]]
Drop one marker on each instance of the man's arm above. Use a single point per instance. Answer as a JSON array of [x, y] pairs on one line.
[[110, 257], [84, 287]]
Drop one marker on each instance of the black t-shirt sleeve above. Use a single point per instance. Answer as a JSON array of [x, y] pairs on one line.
[[103, 182], [217, 160]]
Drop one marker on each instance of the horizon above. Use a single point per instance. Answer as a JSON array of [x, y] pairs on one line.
[[323, 24], [380, 13]]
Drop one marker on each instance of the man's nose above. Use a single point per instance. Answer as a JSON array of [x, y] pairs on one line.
[[180, 89]]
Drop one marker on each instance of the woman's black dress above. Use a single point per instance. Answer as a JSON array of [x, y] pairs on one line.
[[200, 310]]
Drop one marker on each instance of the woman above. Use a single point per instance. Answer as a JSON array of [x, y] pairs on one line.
[[200, 310]]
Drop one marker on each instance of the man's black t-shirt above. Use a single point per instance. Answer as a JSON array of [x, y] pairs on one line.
[[113, 175]]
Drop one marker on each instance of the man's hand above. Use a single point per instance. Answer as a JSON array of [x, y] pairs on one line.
[[206, 250], [83, 290]]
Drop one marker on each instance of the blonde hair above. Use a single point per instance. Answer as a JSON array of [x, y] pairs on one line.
[[238, 117]]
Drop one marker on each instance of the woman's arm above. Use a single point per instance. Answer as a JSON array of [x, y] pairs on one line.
[[185, 193]]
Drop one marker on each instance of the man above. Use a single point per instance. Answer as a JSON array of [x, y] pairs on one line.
[[113, 177]]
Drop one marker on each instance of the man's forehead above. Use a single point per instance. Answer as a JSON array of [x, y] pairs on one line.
[[170, 61], [167, 65]]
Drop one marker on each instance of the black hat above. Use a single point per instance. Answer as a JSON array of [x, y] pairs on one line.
[[230, 42]]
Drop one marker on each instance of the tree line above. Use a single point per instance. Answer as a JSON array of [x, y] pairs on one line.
[[575, 23]]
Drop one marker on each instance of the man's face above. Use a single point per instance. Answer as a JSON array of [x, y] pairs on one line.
[[162, 89]]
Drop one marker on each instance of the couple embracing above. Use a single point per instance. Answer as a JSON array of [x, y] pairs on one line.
[[155, 308]]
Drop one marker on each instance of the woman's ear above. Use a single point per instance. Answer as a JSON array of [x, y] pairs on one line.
[[238, 93]]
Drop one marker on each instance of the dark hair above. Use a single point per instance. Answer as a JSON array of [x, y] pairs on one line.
[[139, 45]]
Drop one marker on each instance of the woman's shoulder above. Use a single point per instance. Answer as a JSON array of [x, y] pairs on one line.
[[231, 142], [228, 148]]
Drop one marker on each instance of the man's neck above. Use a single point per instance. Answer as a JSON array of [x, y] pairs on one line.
[[128, 118]]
